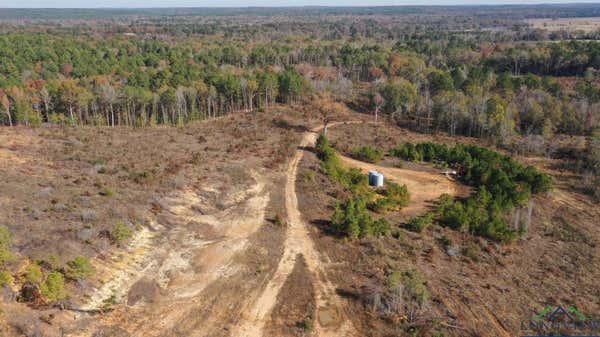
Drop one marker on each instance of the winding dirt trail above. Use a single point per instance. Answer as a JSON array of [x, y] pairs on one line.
[[331, 320]]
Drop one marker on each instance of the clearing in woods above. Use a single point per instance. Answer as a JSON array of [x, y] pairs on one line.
[[424, 187], [568, 24]]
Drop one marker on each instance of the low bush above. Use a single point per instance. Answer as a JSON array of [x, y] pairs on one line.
[[352, 219], [407, 152], [53, 287], [5, 278], [5, 238], [306, 324], [445, 241], [279, 221], [107, 192], [140, 177], [5, 245], [415, 286], [308, 176], [418, 224], [472, 252], [367, 153], [34, 274], [79, 268], [120, 232], [394, 197]]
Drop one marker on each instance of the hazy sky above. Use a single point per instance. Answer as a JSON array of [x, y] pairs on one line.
[[246, 3]]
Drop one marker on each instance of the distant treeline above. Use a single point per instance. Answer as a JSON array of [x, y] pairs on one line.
[[437, 79], [498, 11]]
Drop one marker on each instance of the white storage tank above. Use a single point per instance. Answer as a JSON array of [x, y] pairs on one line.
[[372, 175], [375, 179], [379, 180]]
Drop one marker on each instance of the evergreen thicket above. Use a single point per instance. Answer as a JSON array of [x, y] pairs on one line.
[[501, 184]]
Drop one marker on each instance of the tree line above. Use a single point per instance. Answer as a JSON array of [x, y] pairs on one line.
[[458, 83]]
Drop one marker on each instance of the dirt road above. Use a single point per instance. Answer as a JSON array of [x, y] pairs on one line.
[[330, 317]]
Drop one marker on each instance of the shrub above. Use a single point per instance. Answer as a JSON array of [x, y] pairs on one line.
[[5, 244], [53, 262], [196, 158], [415, 286], [381, 227], [140, 177], [407, 152], [5, 257], [5, 278], [308, 176], [350, 217], [5, 238], [445, 241], [120, 232], [368, 153], [107, 192], [472, 252], [306, 324], [279, 221], [393, 279], [418, 224], [79, 268], [395, 197], [34, 274], [112, 300], [54, 287]]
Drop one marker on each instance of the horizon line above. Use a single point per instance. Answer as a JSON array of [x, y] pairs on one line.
[[459, 4]]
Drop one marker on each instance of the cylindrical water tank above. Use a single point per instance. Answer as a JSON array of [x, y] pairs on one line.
[[372, 175], [378, 180]]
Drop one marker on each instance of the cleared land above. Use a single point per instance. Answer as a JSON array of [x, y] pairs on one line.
[[568, 24], [231, 238], [424, 187]]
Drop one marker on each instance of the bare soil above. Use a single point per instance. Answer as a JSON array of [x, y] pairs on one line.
[[200, 200], [293, 313]]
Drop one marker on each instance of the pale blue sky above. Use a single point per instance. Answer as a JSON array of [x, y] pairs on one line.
[[247, 3]]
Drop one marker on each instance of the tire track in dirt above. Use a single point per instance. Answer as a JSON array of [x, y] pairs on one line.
[[330, 318]]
